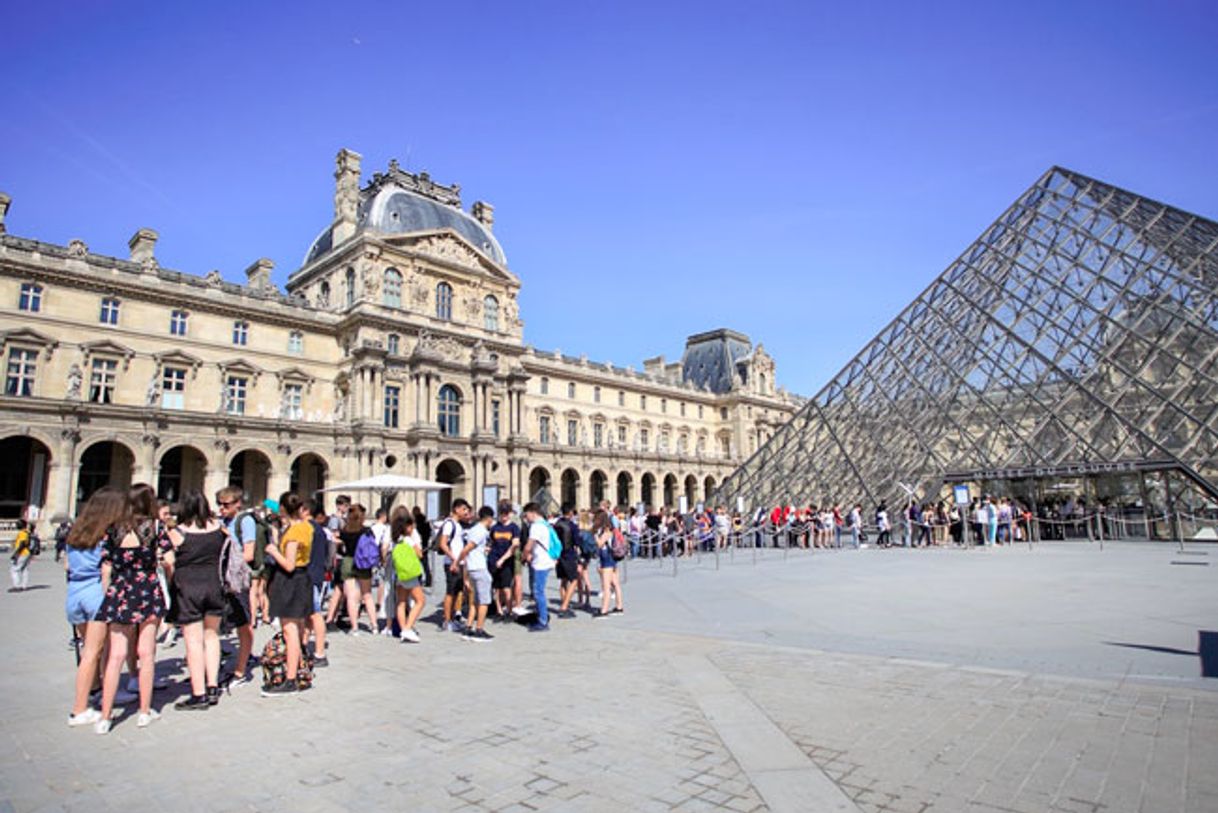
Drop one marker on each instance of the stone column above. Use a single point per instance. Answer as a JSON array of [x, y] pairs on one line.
[[61, 485]]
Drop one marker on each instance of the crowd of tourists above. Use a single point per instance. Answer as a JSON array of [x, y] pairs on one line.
[[142, 574]]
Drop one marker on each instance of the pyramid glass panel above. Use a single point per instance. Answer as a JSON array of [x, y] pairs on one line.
[[1078, 334]]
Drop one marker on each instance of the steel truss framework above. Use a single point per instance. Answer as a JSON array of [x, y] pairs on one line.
[[1080, 328]]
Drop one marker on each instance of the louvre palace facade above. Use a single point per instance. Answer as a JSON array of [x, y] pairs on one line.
[[397, 347]]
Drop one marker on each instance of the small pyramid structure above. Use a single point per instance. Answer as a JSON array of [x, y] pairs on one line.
[[1080, 331]]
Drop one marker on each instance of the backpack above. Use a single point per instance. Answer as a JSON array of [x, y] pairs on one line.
[[555, 546], [406, 562], [260, 537], [367, 551], [234, 572], [617, 547], [587, 543], [274, 664], [35, 543]]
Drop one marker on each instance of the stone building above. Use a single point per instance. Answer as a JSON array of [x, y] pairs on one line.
[[396, 347]]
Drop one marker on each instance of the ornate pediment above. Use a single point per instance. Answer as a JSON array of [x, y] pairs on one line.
[[450, 247], [433, 346], [240, 367], [106, 347], [176, 358], [295, 375], [30, 338]]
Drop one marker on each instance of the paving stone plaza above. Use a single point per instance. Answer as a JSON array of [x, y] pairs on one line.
[[1064, 678]]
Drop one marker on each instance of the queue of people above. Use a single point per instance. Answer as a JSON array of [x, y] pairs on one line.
[[142, 573]]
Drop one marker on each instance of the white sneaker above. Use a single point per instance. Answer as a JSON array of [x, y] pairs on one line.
[[409, 636], [145, 720], [86, 717], [101, 727], [122, 697], [387, 631]]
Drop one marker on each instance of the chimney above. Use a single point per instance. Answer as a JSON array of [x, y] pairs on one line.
[[142, 244], [5, 201], [346, 195], [484, 213], [258, 275]]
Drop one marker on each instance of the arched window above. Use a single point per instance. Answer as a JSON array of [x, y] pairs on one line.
[[393, 288], [449, 411], [323, 296], [444, 301], [490, 311], [350, 287]]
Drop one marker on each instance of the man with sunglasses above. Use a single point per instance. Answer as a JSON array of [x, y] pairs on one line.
[[243, 530]]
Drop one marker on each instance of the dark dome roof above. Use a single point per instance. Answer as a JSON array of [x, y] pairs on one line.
[[390, 209]]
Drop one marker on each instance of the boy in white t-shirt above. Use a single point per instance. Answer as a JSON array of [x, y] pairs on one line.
[[473, 556], [537, 554]]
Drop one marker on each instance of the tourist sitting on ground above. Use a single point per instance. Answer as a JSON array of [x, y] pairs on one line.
[[198, 543]]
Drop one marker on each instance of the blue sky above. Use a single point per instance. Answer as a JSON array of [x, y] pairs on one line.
[[797, 171]]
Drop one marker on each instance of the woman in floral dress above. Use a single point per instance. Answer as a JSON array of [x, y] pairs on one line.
[[133, 604]]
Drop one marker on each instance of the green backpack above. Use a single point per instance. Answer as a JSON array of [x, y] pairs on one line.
[[406, 562]]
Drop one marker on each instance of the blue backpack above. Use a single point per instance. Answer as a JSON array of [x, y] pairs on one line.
[[367, 552], [555, 547]]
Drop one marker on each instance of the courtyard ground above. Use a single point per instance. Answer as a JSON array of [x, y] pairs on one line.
[[1065, 678]]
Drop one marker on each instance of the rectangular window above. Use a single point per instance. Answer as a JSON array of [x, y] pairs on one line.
[[293, 401], [109, 311], [19, 379], [644, 438], [393, 401], [495, 418], [621, 398], [31, 297], [621, 436], [682, 409], [663, 441], [571, 390], [572, 432], [241, 333], [725, 446], [598, 435], [296, 342], [101, 381], [545, 386], [596, 394], [173, 388], [543, 428], [723, 413], [394, 344], [177, 323], [699, 412], [664, 405], [643, 402], [234, 391], [682, 444]]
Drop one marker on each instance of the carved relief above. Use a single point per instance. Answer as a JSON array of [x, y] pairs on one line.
[[213, 278], [445, 248], [442, 346], [77, 248], [473, 307]]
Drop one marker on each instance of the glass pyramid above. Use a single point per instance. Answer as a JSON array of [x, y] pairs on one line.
[[1077, 337]]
